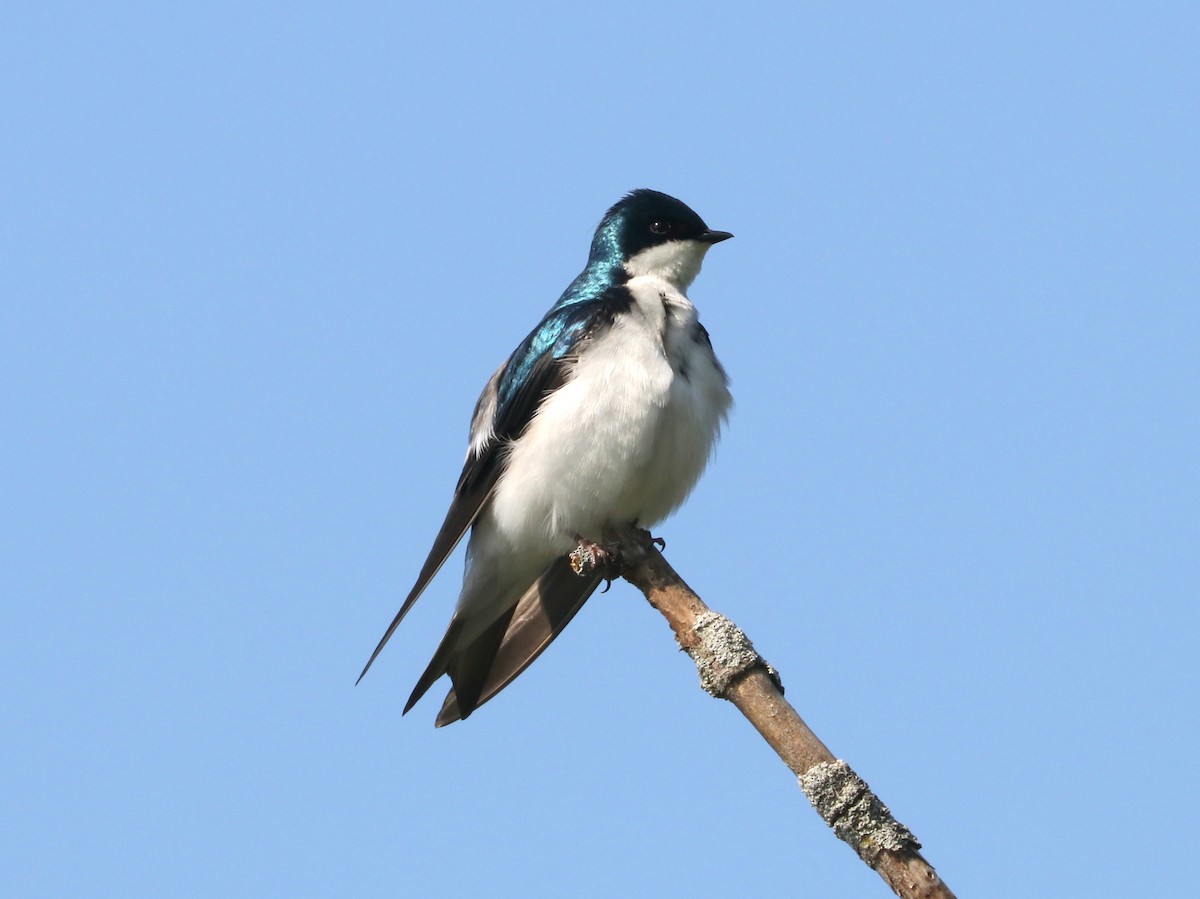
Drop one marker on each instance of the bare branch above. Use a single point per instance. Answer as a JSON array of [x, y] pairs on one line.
[[731, 669]]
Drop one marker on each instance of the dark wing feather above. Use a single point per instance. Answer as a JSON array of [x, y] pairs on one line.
[[510, 400], [540, 616], [480, 473]]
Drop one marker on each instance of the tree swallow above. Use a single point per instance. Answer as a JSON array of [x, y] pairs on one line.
[[604, 416]]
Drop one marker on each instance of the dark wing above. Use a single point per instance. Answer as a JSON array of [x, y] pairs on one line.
[[485, 462], [505, 408]]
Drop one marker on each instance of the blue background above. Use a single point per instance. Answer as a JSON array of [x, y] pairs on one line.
[[258, 260]]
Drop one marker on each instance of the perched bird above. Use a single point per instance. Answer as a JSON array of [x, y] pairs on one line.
[[604, 416]]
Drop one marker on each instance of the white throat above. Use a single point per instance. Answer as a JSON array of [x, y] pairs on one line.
[[676, 262]]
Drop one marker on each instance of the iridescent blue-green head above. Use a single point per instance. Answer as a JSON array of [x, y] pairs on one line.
[[650, 233]]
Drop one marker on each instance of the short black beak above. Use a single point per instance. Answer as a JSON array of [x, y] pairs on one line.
[[714, 236]]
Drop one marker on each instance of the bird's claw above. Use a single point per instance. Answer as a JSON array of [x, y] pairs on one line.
[[647, 539]]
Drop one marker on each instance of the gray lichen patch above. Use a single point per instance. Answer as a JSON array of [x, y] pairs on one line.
[[855, 813], [722, 654]]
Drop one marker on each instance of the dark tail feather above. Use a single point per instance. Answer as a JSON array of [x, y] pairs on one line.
[[437, 665], [467, 665], [540, 616], [468, 668]]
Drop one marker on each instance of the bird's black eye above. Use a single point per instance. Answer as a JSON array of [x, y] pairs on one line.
[[660, 227]]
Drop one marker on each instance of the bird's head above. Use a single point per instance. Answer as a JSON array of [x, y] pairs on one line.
[[651, 233]]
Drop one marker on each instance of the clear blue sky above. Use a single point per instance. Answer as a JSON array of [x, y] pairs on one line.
[[258, 260]]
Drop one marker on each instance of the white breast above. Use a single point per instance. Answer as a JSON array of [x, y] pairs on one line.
[[625, 439]]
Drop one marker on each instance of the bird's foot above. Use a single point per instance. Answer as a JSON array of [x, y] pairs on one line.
[[645, 539], [606, 559], [590, 557]]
